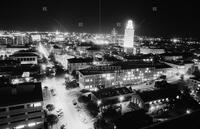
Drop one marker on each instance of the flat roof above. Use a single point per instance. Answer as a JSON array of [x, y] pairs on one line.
[[20, 94], [23, 54], [123, 65], [4, 63], [80, 60], [111, 59], [111, 96], [110, 92], [138, 57], [171, 91]]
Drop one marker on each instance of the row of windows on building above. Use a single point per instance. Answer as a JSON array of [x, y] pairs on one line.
[[26, 59], [19, 114], [38, 104]]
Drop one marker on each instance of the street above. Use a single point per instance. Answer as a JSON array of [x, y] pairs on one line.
[[63, 100]]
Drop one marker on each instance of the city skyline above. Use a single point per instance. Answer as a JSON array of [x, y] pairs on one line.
[[152, 18]]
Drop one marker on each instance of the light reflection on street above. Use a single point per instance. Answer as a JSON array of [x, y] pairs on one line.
[[63, 100]]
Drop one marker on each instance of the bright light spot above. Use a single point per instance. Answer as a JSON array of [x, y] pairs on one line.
[[129, 25], [177, 97], [188, 111], [31, 124], [99, 102], [27, 79], [15, 81], [37, 104], [44, 67], [20, 126], [121, 98], [57, 32]]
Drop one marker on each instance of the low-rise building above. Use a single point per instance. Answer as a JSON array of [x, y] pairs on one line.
[[75, 64], [118, 98], [194, 84], [21, 106], [158, 99], [26, 57], [120, 74]]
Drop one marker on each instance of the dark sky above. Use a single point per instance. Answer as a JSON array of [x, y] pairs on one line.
[[180, 18]]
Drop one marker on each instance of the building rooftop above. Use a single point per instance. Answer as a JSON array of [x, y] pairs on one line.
[[110, 92], [123, 65], [23, 54], [179, 122], [93, 49], [111, 96], [138, 57], [6, 63], [111, 59], [170, 92], [80, 60], [180, 62], [20, 94]]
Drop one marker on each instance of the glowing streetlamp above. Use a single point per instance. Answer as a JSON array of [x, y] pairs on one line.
[[121, 98], [188, 111], [98, 102]]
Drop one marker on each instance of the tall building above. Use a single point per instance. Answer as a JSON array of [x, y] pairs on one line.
[[21, 106], [129, 38]]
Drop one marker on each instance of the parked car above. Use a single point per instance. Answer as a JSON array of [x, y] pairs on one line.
[[53, 92]]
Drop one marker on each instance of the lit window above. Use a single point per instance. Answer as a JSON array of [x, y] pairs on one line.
[[31, 124], [20, 127], [37, 104]]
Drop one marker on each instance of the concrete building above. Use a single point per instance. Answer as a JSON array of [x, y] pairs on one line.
[[26, 57], [119, 98], [158, 99], [120, 74], [21, 106], [75, 64]]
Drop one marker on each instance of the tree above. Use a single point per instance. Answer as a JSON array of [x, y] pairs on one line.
[[83, 99], [71, 84], [74, 74], [102, 124], [50, 107], [93, 109], [52, 119], [111, 114]]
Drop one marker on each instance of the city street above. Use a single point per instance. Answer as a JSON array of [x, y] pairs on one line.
[[63, 100]]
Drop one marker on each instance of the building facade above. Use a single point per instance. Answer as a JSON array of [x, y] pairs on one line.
[[120, 74], [129, 38], [22, 107]]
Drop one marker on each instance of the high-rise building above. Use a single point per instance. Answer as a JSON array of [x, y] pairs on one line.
[[129, 38]]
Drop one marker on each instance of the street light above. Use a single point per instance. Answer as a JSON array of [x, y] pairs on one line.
[[98, 102], [188, 111], [121, 98]]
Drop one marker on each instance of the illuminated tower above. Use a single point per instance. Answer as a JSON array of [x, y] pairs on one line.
[[129, 38]]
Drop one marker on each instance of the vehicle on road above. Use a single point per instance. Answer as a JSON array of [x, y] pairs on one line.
[[74, 102], [59, 110], [63, 127], [53, 92], [60, 115]]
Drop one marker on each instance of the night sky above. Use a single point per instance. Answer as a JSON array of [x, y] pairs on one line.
[[170, 20]]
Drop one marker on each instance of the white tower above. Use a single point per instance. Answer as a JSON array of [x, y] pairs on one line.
[[129, 38]]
